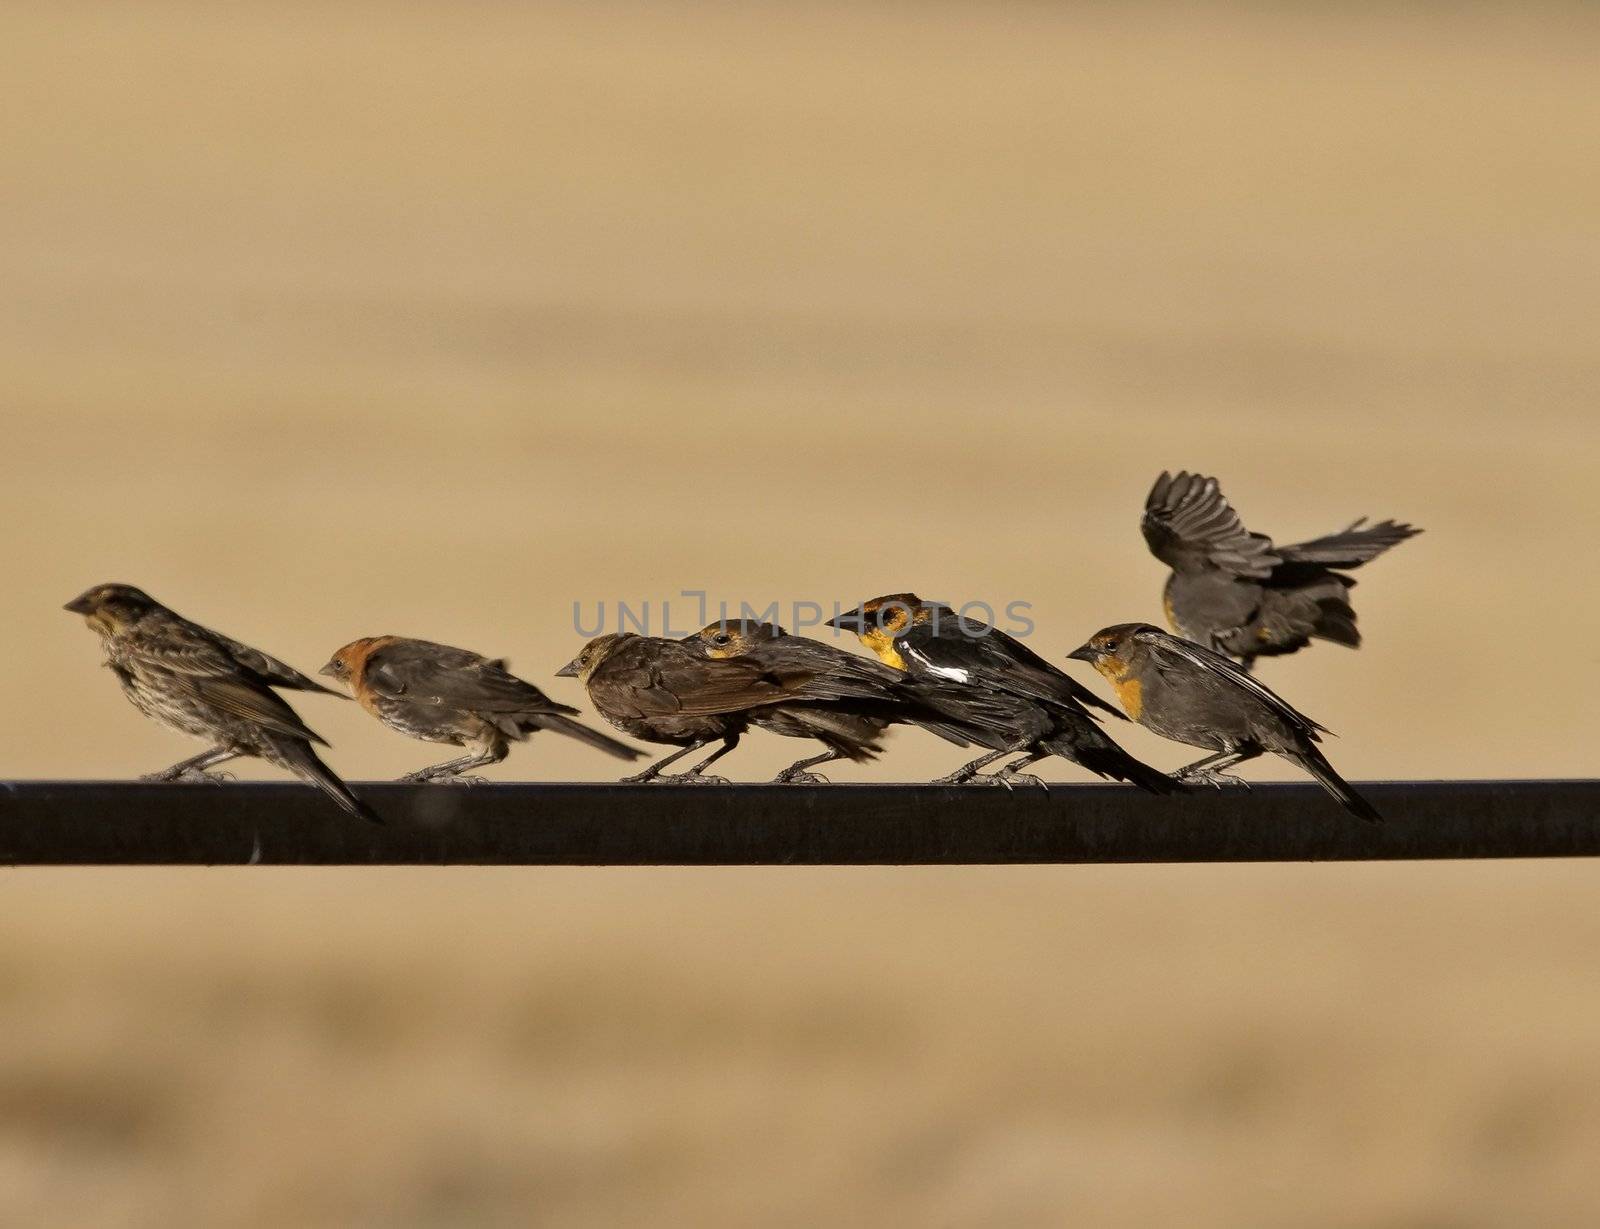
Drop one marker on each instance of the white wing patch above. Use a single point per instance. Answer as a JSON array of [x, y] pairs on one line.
[[955, 673]]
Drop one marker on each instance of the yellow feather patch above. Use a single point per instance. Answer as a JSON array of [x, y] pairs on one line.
[[883, 644], [1130, 691]]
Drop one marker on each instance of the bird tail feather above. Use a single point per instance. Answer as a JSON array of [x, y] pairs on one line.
[[1314, 762], [1351, 547], [576, 729], [300, 759], [1109, 760]]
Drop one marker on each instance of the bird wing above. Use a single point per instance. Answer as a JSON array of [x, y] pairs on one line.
[[825, 671], [1190, 525], [247, 700], [987, 657], [268, 669], [1167, 651], [1350, 547], [194, 659], [663, 678], [438, 674]]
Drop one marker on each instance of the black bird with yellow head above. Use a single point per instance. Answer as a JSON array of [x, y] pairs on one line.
[[991, 683]]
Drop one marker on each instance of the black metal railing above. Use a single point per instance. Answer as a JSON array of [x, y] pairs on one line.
[[60, 823]]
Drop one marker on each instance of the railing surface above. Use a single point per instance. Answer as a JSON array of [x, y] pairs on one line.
[[61, 823]]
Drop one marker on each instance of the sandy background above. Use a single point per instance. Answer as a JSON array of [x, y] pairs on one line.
[[326, 321]]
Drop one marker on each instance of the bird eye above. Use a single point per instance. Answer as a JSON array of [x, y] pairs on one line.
[[720, 638]]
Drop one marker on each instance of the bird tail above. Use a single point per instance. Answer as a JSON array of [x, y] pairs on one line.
[[1314, 762], [1351, 547], [1101, 755], [298, 757], [576, 729]]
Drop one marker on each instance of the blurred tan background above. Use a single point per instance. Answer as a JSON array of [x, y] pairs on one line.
[[331, 320]]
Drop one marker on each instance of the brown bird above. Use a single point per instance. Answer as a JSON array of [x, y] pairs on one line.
[[204, 684], [873, 697], [441, 694], [663, 691], [1011, 698], [1235, 592], [1186, 692]]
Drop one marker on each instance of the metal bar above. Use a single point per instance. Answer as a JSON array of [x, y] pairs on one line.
[[78, 823]]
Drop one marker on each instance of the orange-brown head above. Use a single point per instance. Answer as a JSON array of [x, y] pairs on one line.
[[349, 664], [1118, 654]]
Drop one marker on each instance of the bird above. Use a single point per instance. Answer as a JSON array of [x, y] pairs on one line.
[[1235, 591], [1191, 694], [441, 694], [202, 683], [1013, 699], [872, 696], [662, 691]]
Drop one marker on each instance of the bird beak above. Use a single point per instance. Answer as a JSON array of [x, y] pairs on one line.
[[1085, 652], [850, 621], [79, 605], [568, 671], [329, 671]]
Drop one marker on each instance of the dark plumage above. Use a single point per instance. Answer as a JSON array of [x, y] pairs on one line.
[[1186, 692], [441, 694], [1011, 699], [872, 696], [207, 685], [1236, 592], [663, 691]]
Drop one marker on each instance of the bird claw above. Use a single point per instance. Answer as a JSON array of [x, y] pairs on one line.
[[695, 778], [801, 777], [1009, 779], [189, 776], [426, 776], [1216, 780]]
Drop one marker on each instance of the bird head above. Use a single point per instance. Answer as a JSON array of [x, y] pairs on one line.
[[1114, 651], [347, 663], [592, 655], [880, 622], [110, 608], [733, 637]]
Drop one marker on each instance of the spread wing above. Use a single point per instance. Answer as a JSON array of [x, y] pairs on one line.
[[1190, 526], [427, 673], [1166, 650]]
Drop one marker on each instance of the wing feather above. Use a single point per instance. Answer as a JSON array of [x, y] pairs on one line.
[[1190, 525]]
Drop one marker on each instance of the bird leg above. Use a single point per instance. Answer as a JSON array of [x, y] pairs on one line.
[[967, 772], [796, 773], [449, 772], [192, 771], [1011, 774], [695, 775], [1209, 770], [653, 772]]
